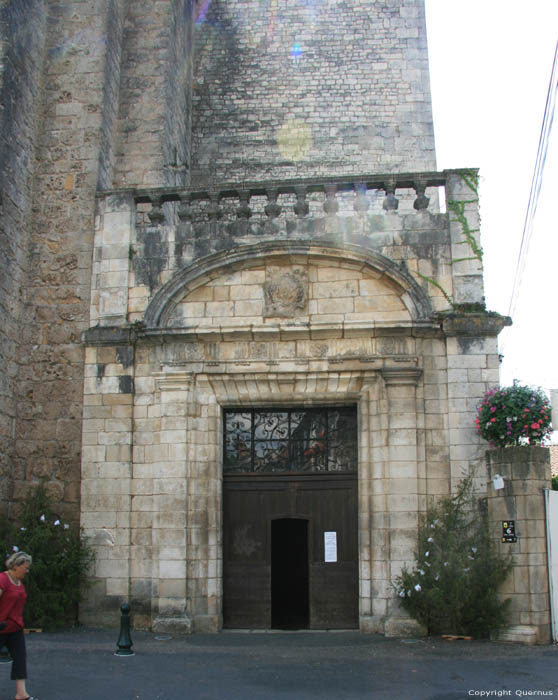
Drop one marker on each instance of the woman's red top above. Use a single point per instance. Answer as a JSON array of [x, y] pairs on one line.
[[12, 602]]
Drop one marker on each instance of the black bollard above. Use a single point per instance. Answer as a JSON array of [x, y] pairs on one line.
[[124, 640]]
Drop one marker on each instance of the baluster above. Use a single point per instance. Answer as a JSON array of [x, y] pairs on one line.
[[272, 209], [301, 207], [391, 203], [331, 205], [156, 215], [422, 201], [214, 211], [184, 210], [361, 204], [243, 210]]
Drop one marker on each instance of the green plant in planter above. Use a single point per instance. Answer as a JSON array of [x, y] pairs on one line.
[[452, 589], [61, 559], [513, 416]]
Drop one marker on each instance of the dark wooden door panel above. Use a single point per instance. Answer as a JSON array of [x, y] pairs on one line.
[[247, 596], [333, 584], [333, 595], [246, 552], [328, 504]]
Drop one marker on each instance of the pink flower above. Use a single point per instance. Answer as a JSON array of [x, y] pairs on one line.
[[534, 426], [493, 420]]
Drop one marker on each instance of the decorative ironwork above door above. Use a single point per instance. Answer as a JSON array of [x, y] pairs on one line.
[[290, 440]]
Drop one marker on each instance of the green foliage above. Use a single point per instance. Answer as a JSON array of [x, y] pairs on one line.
[[453, 587], [555, 482], [514, 415], [61, 559], [457, 208]]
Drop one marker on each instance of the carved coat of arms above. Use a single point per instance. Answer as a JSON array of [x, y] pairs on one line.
[[285, 293]]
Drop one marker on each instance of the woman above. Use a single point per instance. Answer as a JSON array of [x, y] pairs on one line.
[[12, 601]]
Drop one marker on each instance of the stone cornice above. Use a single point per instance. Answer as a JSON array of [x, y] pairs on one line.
[[483, 324], [401, 375], [129, 335]]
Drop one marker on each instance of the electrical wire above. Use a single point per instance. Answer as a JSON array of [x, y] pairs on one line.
[[536, 183]]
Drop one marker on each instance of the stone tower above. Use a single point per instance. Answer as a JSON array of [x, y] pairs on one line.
[[216, 214]]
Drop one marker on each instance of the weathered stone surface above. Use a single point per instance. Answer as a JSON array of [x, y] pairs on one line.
[[157, 266], [526, 473], [262, 81]]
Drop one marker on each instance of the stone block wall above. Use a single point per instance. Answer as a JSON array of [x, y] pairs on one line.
[[297, 89], [106, 478], [473, 367], [526, 473], [57, 289], [130, 316], [22, 40], [214, 337], [155, 95], [100, 94], [67, 82]]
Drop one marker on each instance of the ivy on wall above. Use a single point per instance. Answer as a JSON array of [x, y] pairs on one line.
[[457, 208]]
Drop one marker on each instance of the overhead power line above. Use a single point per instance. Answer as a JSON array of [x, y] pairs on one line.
[[536, 182]]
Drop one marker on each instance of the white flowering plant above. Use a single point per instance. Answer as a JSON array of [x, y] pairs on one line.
[[61, 560], [452, 588]]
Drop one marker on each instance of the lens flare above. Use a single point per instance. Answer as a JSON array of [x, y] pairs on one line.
[[294, 140], [296, 51], [201, 8]]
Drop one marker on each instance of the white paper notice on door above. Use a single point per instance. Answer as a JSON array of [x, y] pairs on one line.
[[330, 546]]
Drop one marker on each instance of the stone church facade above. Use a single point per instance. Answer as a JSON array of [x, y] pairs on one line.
[[233, 325]]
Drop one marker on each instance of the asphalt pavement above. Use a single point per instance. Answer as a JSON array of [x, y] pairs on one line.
[[81, 664]]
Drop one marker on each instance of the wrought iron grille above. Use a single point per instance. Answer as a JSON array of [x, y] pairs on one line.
[[290, 440]]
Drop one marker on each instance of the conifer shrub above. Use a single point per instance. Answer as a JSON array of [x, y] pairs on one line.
[[453, 587], [61, 560]]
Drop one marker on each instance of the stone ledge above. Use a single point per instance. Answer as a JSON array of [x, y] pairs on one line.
[[109, 335], [404, 627], [172, 625], [480, 325], [523, 634]]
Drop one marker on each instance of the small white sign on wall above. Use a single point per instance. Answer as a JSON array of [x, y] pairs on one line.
[[330, 546]]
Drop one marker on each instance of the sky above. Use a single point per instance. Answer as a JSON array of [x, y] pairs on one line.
[[490, 69]]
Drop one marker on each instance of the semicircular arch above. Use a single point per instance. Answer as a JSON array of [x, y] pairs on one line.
[[209, 268]]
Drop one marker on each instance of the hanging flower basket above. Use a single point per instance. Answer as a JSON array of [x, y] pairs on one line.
[[514, 416]]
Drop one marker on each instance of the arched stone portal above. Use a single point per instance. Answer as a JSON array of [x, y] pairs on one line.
[[277, 324]]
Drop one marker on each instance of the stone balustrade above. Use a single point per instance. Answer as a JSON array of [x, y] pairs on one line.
[[302, 198]]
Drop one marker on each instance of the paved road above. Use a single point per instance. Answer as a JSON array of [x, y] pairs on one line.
[[80, 664]]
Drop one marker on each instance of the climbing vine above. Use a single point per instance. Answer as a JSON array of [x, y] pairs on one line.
[[457, 208]]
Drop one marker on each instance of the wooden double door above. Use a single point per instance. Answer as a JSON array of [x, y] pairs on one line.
[[290, 551]]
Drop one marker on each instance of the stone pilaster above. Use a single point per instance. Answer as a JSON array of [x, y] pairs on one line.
[[462, 203], [204, 508], [153, 145], [472, 368], [373, 531], [164, 476], [397, 490], [114, 226], [107, 492]]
